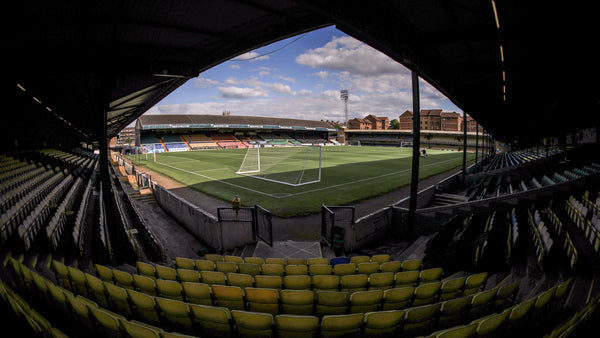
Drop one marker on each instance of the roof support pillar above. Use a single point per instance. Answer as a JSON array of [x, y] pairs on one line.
[[476, 141], [464, 163], [414, 181]]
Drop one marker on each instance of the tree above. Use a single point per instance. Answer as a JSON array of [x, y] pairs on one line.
[[394, 124]]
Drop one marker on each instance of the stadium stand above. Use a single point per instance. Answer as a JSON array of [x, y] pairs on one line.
[[512, 251], [227, 141]]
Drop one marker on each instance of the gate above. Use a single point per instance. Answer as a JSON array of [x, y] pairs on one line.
[[263, 227], [332, 216]]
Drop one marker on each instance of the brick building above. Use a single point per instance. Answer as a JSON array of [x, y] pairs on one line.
[[357, 123], [378, 123], [434, 119]]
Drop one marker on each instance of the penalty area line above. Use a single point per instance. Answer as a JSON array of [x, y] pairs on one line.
[[217, 180]]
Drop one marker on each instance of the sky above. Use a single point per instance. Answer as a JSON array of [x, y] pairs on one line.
[[301, 78]]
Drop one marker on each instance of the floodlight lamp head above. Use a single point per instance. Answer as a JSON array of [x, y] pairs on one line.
[[344, 94]]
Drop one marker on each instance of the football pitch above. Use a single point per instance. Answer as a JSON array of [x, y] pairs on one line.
[[348, 174]]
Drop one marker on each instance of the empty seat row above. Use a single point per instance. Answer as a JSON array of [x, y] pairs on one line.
[[238, 297], [130, 305], [294, 261], [323, 280]]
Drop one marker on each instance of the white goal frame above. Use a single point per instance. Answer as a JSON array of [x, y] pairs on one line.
[[249, 173]]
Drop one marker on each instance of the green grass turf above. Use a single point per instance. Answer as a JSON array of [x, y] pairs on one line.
[[349, 174]]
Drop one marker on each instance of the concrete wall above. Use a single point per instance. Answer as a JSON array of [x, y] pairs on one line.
[[220, 236]]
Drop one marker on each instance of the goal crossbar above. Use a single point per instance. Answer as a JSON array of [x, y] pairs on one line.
[[294, 170]]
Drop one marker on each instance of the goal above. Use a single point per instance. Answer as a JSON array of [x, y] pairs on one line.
[[293, 166]]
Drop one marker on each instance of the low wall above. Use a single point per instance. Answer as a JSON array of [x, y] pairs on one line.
[[367, 230], [219, 236]]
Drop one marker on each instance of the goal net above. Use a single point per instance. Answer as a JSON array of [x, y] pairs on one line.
[[292, 166]]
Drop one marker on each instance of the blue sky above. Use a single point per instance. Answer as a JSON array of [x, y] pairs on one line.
[[301, 77]]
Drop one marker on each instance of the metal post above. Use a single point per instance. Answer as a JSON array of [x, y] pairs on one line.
[[476, 141], [414, 182], [464, 164]]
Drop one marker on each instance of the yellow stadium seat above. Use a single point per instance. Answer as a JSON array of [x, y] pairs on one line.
[[204, 265], [77, 279], [249, 269], [475, 283], [326, 282], [365, 301], [231, 297], [144, 307], [338, 325], [351, 283], [253, 324], [145, 284], [297, 302], [81, 309], [165, 272], [58, 295], [213, 277], [419, 320], [492, 325], [381, 280], [331, 302], [430, 275], [297, 282], [275, 260], [383, 323], [212, 321], [254, 260], [296, 269], [344, 269], [175, 313], [318, 260], [398, 298], [319, 269], [226, 267], [454, 311], [123, 279], [240, 279], [411, 264], [197, 293], [360, 259], [505, 296], [107, 322], [273, 269], [135, 329], [452, 288], [233, 259], [406, 278], [520, 315], [482, 303], [391, 266], [145, 269], [185, 263], [296, 326], [263, 300], [270, 282], [296, 261], [118, 299], [96, 290], [383, 258], [214, 257], [367, 268], [426, 293], [169, 289], [61, 271], [187, 275], [465, 331]]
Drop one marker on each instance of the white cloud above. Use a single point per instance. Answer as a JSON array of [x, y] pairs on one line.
[[234, 66], [251, 56], [349, 54], [203, 82], [321, 74], [241, 92], [287, 78]]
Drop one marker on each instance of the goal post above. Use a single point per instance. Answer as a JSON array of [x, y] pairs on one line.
[[293, 166]]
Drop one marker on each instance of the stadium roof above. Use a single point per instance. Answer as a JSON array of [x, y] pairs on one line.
[[224, 121], [69, 61]]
